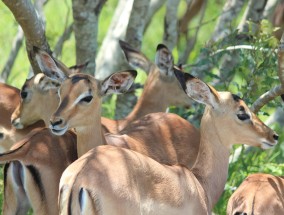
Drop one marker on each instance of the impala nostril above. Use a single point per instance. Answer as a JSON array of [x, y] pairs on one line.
[[57, 122], [275, 136], [15, 121]]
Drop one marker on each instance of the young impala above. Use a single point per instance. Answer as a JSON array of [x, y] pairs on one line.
[[161, 90], [42, 88], [34, 168], [258, 194], [113, 180], [31, 177], [9, 100]]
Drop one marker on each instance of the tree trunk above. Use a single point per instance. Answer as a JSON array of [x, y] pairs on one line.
[[85, 15], [154, 6], [108, 63], [134, 36], [253, 13], [230, 11]]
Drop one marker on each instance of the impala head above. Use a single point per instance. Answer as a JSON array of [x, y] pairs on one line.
[[228, 114], [39, 98], [36, 93], [160, 75], [80, 98]]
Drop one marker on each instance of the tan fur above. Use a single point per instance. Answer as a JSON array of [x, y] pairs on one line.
[[259, 194], [49, 155], [120, 181], [38, 85], [158, 94], [158, 135], [9, 100], [160, 91], [30, 110]]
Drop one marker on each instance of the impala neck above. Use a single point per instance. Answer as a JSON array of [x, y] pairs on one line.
[[211, 166], [151, 100], [90, 136]]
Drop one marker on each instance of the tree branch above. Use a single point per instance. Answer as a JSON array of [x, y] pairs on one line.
[[230, 11], [170, 24], [32, 25], [136, 24], [134, 35], [278, 90], [109, 63], [253, 13], [154, 6], [193, 8], [65, 36], [17, 43], [281, 60], [266, 97], [191, 42]]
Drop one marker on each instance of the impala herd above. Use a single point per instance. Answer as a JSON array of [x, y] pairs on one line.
[[62, 157]]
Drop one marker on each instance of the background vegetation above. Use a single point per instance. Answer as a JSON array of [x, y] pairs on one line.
[[255, 73]]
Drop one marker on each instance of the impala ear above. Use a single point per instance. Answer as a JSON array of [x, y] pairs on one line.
[[48, 66], [197, 89], [164, 60], [44, 83], [135, 58], [118, 82]]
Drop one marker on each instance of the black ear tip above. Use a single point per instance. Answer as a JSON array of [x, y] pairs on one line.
[[161, 46], [188, 76], [180, 77]]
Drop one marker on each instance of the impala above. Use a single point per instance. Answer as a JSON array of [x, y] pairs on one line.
[[80, 96], [9, 100], [113, 180], [31, 178], [258, 194], [34, 168], [40, 86], [27, 180], [161, 90]]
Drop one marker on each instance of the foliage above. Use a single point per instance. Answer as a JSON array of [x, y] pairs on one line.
[[254, 74]]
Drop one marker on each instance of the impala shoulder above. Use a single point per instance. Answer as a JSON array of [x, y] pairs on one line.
[[117, 140]]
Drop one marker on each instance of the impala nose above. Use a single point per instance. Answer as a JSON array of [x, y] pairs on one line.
[[56, 121], [16, 122], [275, 137]]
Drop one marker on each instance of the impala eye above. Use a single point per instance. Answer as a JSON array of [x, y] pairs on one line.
[[87, 99], [24, 94], [243, 116]]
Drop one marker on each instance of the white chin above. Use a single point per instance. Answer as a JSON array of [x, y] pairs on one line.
[[266, 145], [59, 132]]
